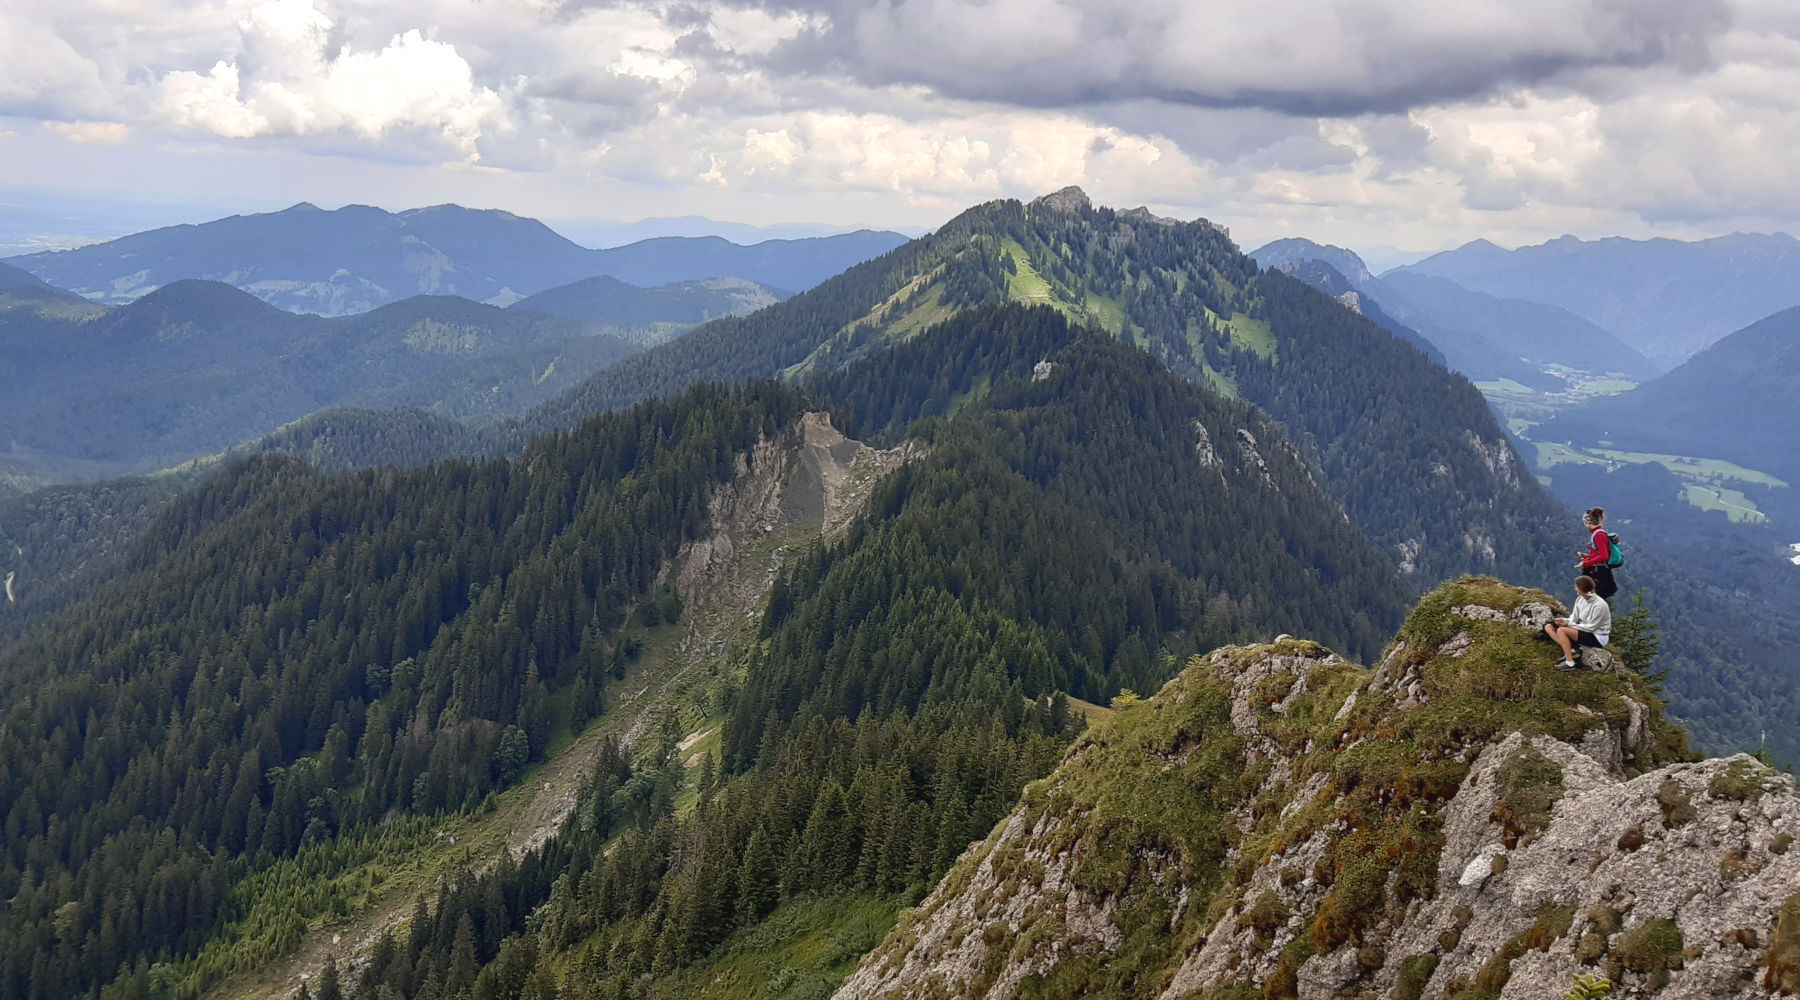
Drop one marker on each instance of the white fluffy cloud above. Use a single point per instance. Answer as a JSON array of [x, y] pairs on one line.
[[300, 83]]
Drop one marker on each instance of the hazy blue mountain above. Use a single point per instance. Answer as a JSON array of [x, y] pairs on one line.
[[196, 367], [1667, 298], [1328, 279], [1480, 335], [1295, 249], [612, 233], [23, 292], [306, 259], [651, 314], [1540, 334], [795, 265], [1735, 400]]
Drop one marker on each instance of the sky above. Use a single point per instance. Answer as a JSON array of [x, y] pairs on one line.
[[1366, 123]]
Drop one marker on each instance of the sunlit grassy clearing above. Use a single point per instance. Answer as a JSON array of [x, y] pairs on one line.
[[1735, 505], [1253, 335], [1025, 284]]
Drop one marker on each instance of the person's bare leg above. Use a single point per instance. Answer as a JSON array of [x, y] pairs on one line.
[[1556, 634], [1565, 637]]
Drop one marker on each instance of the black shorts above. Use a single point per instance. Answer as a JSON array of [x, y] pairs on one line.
[[1604, 584], [1586, 638]]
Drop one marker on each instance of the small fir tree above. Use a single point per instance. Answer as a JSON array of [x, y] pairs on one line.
[[1635, 639]]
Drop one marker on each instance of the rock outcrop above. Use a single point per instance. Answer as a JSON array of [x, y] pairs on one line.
[[810, 475], [1461, 822]]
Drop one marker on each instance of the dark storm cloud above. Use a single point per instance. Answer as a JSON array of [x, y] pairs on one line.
[[1290, 56]]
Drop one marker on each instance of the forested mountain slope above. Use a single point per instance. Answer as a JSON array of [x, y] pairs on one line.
[[292, 658], [1739, 400], [651, 314], [197, 367], [1412, 449], [289, 656], [22, 292], [1071, 527], [1328, 279]]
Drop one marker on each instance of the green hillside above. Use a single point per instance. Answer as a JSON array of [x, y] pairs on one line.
[[196, 368], [297, 677], [290, 657], [1411, 449], [910, 678]]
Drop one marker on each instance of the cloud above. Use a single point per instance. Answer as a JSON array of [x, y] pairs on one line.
[[291, 79], [40, 72], [1383, 121], [104, 133], [1305, 57]]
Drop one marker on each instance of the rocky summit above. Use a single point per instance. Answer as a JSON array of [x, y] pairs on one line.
[[1460, 822]]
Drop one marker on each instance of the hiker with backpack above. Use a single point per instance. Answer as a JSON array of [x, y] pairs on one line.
[[1603, 554], [1589, 623]]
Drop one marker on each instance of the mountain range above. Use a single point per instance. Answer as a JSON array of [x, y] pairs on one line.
[[1667, 298], [352, 259], [1480, 335], [1734, 400], [655, 313], [811, 651], [1182, 292], [197, 367]]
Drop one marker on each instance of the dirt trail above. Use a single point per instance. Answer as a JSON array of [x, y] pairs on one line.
[[787, 495]]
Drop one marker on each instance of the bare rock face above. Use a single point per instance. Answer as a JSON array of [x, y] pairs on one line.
[[804, 476], [1461, 822], [1070, 199]]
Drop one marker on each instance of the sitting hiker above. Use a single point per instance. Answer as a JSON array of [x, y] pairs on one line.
[[1588, 624]]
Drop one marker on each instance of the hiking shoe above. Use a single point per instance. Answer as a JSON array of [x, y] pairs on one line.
[[1565, 666]]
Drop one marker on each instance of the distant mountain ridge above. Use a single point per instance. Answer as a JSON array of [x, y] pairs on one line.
[[1735, 400], [1480, 335], [23, 292], [352, 259], [1667, 298], [651, 314], [196, 367], [1183, 292]]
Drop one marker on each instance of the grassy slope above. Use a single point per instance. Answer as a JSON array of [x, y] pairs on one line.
[[1164, 782]]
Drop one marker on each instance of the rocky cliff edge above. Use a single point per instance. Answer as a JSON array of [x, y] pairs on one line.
[[1461, 822]]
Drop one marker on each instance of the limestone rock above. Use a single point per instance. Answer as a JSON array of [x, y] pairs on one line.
[[1070, 199], [1478, 861]]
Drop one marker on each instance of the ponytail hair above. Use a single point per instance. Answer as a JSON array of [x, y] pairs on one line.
[[1594, 516]]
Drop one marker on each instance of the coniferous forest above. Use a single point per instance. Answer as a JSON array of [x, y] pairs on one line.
[[291, 659], [232, 699]]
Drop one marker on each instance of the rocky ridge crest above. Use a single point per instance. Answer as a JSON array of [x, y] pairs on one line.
[[1461, 822]]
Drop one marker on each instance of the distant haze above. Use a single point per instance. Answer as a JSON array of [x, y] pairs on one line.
[[357, 258]]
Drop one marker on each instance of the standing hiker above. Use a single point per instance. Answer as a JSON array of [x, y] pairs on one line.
[[1589, 623], [1596, 562]]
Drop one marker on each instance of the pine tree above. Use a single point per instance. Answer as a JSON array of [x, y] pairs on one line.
[[462, 957], [329, 987], [1636, 642], [759, 886]]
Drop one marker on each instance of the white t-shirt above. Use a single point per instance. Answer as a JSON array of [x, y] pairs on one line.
[[1592, 615]]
